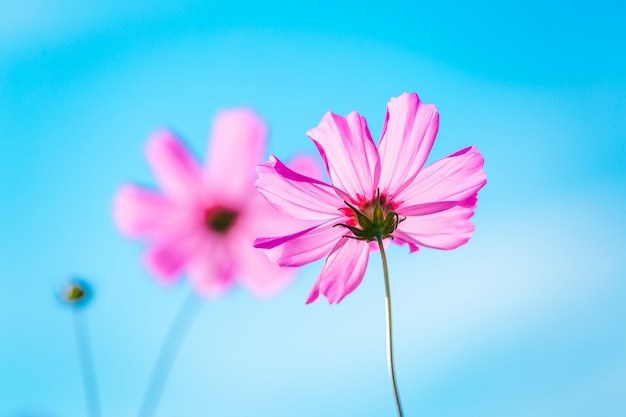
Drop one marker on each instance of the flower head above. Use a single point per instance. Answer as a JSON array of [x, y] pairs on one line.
[[376, 192], [205, 218]]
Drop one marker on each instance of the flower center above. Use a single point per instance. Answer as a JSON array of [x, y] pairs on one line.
[[220, 219], [375, 219], [383, 202]]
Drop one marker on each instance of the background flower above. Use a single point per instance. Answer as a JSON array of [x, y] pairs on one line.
[[205, 221]]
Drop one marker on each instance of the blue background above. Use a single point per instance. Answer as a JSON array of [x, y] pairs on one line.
[[527, 319]]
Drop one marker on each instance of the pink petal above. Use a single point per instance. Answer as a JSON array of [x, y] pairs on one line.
[[342, 272], [237, 145], [212, 268], [306, 165], [302, 247], [257, 273], [262, 277], [457, 177], [400, 238], [175, 169], [139, 212], [261, 219], [408, 134], [295, 194], [349, 153], [170, 255], [446, 229], [426, 208]]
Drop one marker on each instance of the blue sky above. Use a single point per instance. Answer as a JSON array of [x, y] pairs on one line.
[[523, 320]]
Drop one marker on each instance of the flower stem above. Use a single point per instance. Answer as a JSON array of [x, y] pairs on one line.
[[85, 358], [165, 359], [390, 365]]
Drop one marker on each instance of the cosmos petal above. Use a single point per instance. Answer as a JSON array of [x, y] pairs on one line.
[[237, 145], [400, 238], [446, 229], [407, 137], [170, 255], [426, 208], [302, 247], [306, 165], [351, 158], [262, 277], [139, 212], [342, 272], [296, 195], [175, 169], [211, 269], [457, 177]]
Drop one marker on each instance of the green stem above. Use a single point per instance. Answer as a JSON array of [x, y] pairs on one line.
[[390, 365], [85, 359], [169, 349]]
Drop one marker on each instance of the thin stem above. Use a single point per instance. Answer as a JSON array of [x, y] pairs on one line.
[[390, 365], [167, 354], [85, 358]]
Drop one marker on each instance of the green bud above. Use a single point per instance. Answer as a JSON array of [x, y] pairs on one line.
[[378, 211], [76, 293], [373, 222]]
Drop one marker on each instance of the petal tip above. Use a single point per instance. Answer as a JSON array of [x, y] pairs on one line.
[[159, 139], [242, 117], [312, 298]]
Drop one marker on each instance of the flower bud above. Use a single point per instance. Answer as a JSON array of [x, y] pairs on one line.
[[75, 292]]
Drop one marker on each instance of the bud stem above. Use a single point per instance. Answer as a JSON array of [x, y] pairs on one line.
[[85, 359], [169, 349], [390, 364]]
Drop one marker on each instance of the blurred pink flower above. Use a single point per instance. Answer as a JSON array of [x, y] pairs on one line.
[[420, 207], [206, 218]]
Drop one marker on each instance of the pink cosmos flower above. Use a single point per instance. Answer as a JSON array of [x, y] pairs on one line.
[[206, 218], [376, 192]]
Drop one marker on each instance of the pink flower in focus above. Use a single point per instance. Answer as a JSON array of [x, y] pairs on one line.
[[206, 218], [419, 207]]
